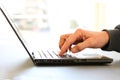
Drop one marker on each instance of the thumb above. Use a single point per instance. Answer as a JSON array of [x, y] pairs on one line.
[[80, 46]]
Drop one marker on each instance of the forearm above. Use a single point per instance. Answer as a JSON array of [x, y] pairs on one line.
[[114, 40]]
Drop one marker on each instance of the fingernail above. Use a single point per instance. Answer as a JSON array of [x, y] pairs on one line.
[[60, 55]]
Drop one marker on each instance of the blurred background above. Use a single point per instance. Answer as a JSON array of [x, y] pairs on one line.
[[62, 16]]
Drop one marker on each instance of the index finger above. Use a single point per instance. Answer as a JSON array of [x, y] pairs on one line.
[[69, 41], [63, 39]]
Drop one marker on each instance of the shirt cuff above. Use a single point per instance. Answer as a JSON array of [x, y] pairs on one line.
[[114, 41]]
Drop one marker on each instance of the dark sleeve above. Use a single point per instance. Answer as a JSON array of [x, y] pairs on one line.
[[114, 41]]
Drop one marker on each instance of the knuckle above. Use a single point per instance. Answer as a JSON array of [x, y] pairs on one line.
[[61, 36], [78, 30]]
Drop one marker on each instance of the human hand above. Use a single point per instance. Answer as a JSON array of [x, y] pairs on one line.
[[82, 39]]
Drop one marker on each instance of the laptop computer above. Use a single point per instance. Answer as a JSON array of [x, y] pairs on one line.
[[51, 57]]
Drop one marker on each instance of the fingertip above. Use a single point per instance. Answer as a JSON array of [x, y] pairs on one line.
[[60, 54], [75, 49]]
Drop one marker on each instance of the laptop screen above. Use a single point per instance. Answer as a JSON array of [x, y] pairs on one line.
[[5, 20]]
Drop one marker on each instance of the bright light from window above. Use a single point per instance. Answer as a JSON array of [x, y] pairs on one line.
[[60, 16]]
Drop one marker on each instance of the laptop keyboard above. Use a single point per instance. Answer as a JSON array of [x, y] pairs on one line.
[[51, 54]]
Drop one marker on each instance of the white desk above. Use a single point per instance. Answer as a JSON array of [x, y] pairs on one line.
[[16, 65]]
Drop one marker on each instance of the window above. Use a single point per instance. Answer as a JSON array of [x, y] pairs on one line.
[[61, 16], [56, 15]]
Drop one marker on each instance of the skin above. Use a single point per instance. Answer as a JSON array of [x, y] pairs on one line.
[[82, 39]]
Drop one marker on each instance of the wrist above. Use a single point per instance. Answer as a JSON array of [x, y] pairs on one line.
[[106, 37]]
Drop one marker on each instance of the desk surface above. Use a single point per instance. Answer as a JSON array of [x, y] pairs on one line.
[[15, 64]]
